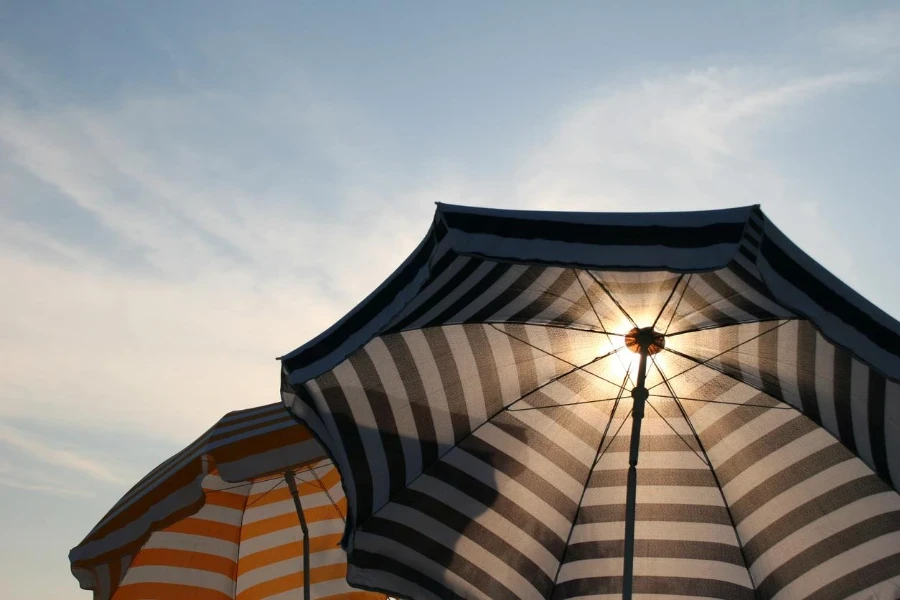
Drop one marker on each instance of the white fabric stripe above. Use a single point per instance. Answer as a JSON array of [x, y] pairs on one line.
[[561, 304], [338, 451], [889, 588], [821, 528], [167, 540], [290, 566], [497, 288], [458, 292], [752, 295], [652, 426], [364, 418], [504, 359], [490, 520], [799, 495], [618, 461], [748, 433], [261, 543], [655, 530], [656, 494], [370, 578], [261, 512], [434, 389], [322, 589], [540, 284], [775, 462], [409, 557], [715, 300], [425, 294], [709, 413], [396, 394], [473, 390], [462, 546], [540, 420], [219, 514], [534, 460], [546, 366], [180, 576], [509, 487], [840, 565], [656, 567]]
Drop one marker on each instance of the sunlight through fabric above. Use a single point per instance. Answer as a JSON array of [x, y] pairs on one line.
[[561, 405]]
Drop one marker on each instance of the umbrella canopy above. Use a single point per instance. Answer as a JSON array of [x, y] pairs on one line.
[[562, 405], [225, 519]]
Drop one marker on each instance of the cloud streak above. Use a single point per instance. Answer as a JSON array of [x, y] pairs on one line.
[[60, 459], [222, 262]]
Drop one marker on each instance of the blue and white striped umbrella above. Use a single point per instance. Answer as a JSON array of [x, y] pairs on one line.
[[575, 405]]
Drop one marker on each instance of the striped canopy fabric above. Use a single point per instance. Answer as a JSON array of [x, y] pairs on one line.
[[483, 406], [218, 521]]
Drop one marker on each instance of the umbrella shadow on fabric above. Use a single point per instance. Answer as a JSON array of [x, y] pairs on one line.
[[437, 523]]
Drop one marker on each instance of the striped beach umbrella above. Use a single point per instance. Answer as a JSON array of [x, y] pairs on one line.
[[251, 510], [560, 405]]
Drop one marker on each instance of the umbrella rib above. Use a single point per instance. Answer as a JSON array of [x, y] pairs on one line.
[[675, 312], [613, 298], [487, 420], [328, 495], [571, 364], [700, 363], [712, 470], [587, 478], [590, 302], [262, 480], [721, 325], [246, 483], [561, 405], [597, 314], [612, 438], [509, 408], [249, 504], [675, 431], [747, 404], [666, 303]]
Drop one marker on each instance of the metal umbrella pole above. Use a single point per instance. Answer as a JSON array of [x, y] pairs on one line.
[[647, 342], [292, 486]]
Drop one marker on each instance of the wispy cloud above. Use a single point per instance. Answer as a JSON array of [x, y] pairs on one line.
[[873, 33], [686, 141], [53, 490], [63, 461], [233, 245]]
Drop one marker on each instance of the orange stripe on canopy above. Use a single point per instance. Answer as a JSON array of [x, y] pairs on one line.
[[206, 522]]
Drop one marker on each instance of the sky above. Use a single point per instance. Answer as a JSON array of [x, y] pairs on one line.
[[189, 190]]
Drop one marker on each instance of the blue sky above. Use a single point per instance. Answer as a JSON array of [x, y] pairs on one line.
[[187, 192]]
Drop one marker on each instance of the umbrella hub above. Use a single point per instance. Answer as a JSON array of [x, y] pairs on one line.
[[645, 338]]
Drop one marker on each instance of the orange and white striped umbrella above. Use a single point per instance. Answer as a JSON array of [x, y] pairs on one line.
[[225, 519]]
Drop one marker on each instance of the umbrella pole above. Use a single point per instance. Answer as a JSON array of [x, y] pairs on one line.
[[292, 485], [639, 394]]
